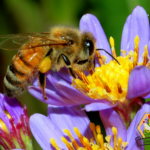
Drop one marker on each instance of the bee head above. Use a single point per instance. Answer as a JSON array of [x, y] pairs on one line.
[[88, 44]]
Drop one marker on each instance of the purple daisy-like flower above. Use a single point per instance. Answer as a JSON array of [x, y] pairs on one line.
[[14, 125], [51, 126], [110, 84], [69, 128]]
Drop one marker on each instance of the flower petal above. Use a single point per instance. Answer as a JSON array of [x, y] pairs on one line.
[[101, 105], [55, 98], [75, 96], [70, 117], [5, 119], [113, 120], [132, 132], [54, 78], [11, 105], [139, 82], [89, 23], [146, 96], [139, 25], [63, 72], [43, 130], [125, 35]]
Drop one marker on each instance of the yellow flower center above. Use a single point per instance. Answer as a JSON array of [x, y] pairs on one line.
[[91, 145], [110, 81]]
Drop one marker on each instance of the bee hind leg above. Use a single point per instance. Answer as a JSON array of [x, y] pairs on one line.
[[68, 63], [44, 66], [42, 83]]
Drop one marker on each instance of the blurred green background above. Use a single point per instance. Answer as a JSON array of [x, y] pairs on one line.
[[22, 16]]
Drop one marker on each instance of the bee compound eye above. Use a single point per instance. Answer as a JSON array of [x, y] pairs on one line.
[[89, 47]]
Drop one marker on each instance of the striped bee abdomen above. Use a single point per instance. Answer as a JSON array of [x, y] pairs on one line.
[[11, 82], [18, 76]]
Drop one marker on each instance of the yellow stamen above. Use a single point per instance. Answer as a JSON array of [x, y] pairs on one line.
[[83, 77], [123, 52], [106, 87], [69, 146], [98, 129], [87, 143], [136, 50], [101, 62], [124, 144], [136, 41], [135, 59], [81, 86], [101, 141], [112, 44], [93, 129], [114, 130], [71, 138], [145, 56], [108, 138], [52, 141], [3, 126], [80, 136], [119, 143], [104, 58], [92, 140], [130, 54]]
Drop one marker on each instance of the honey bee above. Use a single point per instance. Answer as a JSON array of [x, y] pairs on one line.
[[39, 52]]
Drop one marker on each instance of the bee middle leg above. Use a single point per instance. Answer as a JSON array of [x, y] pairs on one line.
[[42, 83], [68, 63]]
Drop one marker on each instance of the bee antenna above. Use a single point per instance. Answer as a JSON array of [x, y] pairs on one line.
[[108, 54]]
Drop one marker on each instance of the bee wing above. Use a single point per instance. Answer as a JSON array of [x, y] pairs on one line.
[[15, 41]]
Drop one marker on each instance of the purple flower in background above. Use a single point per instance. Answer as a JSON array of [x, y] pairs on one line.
[[63, 125], [14, 125], [111, 85]]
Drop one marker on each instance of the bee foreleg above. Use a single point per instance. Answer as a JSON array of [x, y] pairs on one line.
[[42, 83], [71, 71], [68, 63]]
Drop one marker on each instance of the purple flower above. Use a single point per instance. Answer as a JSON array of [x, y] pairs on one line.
[[63, 124], [112, 84], [52, 125], [14, 125]]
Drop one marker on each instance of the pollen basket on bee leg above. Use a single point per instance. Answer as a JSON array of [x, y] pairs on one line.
[[45, 65]]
